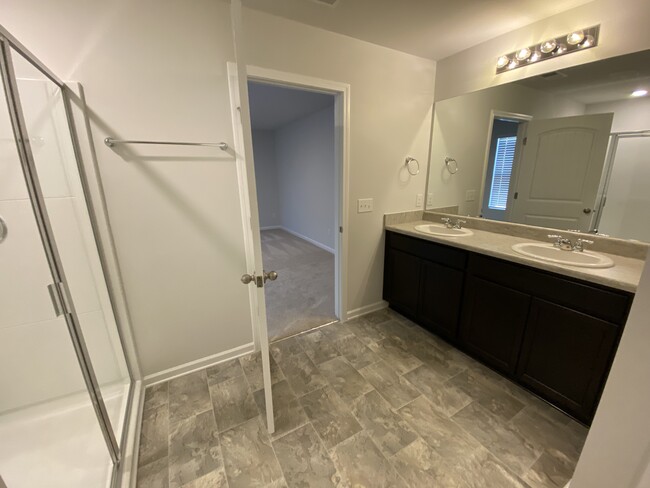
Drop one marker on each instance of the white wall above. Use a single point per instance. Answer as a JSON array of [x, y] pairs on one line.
[[305, 155], [390, 117], [617, 451], [460, 131], [628, 202], [158, 71], [266, 176], [623, 30]]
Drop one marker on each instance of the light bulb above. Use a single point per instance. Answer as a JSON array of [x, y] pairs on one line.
[[588, 42], [513, 64], [561, 49], [575, 37], [536, 56], [639, 93], [523, 54], [548, 46], [503, 61]]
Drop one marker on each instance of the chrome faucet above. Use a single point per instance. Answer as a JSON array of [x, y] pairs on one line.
[[565, 244], [580, 244], [455, 225]]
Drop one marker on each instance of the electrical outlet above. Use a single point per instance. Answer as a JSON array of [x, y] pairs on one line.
[[429, 200], [364, 205], [470, 195], [419, 200]]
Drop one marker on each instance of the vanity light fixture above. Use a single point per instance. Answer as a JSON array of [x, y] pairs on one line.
[[577, 40], [639, 93]]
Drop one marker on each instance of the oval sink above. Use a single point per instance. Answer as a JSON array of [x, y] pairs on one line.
[[550, 253], [441, 230]]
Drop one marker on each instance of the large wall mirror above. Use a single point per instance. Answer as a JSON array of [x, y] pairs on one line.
[[568, 149]]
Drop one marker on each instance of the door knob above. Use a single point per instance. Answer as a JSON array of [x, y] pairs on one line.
[[271, 275], [246, 278], [586, 210]]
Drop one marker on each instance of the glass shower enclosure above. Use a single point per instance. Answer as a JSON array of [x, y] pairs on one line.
[[65, 385]]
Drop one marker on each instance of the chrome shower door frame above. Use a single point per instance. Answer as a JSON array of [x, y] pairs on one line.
[[7, 73]]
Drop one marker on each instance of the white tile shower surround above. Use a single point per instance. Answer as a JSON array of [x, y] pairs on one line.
[[58, 444]]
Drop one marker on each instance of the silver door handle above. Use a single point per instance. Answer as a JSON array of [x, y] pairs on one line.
[[246, 278], [271, 275], [586, 210]]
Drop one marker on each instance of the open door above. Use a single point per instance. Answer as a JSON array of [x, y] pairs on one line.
[[559, 172], [254, 276]]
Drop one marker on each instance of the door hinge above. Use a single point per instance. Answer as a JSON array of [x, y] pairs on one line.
[[60, 298], [525, 141], [341, 229], [515, 195]]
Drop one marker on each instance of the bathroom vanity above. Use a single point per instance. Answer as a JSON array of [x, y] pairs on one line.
[[552, 329]]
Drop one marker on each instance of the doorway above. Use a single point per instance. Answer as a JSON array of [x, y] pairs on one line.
[[294, 145]]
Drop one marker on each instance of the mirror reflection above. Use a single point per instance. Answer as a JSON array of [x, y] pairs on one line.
[[568, 150]]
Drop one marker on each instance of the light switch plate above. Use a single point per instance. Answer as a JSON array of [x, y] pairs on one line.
[[470, 195], [429, 200], [419, 200], [364, 205]]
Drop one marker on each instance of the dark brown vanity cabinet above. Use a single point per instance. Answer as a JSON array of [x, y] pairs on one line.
[[554, 335]]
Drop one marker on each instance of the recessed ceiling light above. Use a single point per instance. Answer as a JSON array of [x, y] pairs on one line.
[[639, 93]]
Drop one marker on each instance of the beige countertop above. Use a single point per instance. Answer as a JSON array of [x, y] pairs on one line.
[[624, 275]]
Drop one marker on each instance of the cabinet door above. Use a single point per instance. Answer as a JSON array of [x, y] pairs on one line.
[[441, 292], [404, 275], [566, 356], [493, 322]]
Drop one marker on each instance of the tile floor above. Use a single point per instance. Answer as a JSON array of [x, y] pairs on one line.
[[375, 402], [303, 295]]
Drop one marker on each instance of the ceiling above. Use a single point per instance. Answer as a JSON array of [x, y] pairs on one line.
[[432, 29], [601, 81], [273, 106]]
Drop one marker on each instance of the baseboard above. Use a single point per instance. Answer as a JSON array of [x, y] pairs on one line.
[[373, 307], [271, 227], [308, 239], [198, 364]]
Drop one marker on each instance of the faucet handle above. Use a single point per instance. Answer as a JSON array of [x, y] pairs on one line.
[[446, 220], [461, 221], [558, 238], [580, 244]]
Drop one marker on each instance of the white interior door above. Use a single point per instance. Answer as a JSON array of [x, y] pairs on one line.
[[250, 215], [560, 170]]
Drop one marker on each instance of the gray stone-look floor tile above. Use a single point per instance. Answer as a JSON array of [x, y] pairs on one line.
[[356, 352], [233, 403], [301, 373], [156, 396], [317, 347], [489, 394], [361, 464], [345, 380], [188, 396], [418, 464], [391, 351], [366, 332], [304, 460], [478, 469], [193, 449], [252, 366], [552, 470], [285, 348], [214, 479], [443, 363], [387, 429], [508, 445], [154, 474], [249, 458], [224, 371], [330, 416], [441, 433], [287, 410], [445, 398], [154, 435], [389, 384]]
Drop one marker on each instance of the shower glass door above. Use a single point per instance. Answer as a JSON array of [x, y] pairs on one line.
[[64, 379]]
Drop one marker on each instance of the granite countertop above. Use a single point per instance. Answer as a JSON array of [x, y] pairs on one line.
[[624, 275]]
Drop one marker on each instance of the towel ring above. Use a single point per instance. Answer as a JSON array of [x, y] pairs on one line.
[[408, 165], [451, 162]]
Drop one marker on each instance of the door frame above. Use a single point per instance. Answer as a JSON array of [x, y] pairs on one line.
[[341, 92], [522, 119]]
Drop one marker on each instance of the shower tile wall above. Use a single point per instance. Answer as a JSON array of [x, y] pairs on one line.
[[30, 335]]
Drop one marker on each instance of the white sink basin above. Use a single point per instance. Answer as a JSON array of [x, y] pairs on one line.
[[441, 230], [547, 252]]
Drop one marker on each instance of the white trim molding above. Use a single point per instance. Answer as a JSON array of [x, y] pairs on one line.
[[366, 309], [305, 238], [198, 364]]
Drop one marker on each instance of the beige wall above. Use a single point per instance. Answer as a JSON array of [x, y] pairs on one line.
[[624, 29], [617, 451], [390, 117]]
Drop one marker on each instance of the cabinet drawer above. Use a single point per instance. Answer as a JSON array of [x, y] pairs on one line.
[[606, 304], [437, 253]]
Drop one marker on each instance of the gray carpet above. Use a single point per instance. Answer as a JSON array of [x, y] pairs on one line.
[[303, 295]]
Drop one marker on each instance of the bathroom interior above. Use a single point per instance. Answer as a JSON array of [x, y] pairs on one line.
[[458, 300]]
